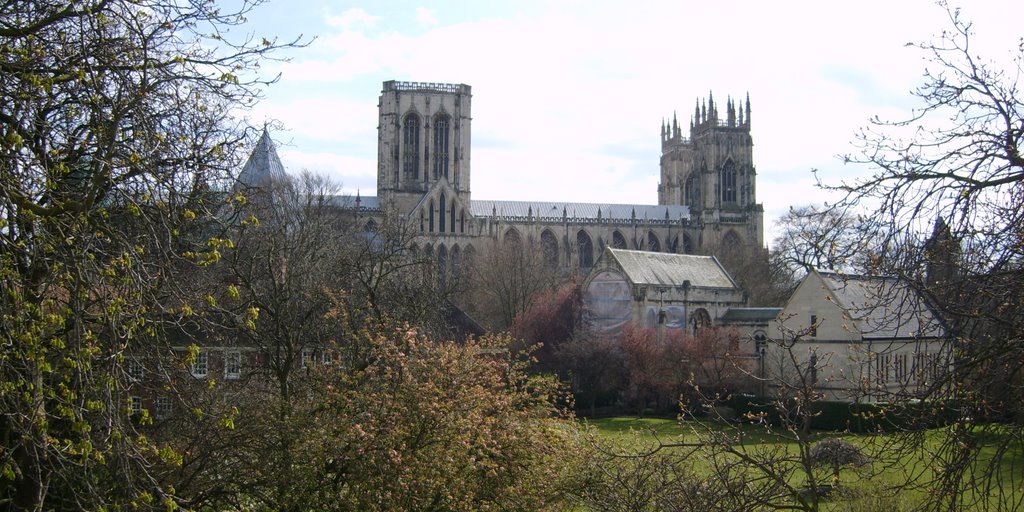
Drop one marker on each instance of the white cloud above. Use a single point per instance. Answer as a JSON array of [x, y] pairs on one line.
[[352, 19], [426, 17], [318, 119], [350, 173], [567, 98]]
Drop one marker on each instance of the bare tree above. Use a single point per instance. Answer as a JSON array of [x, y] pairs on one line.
[[506, 279], [948, 183], [772, 463], [387, 276], [765, 276], [827, 238], [273, 291]]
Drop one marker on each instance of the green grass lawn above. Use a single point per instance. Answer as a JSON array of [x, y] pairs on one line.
[[876, 487]]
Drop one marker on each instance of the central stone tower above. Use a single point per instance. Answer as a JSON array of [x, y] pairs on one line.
[[423, 147]]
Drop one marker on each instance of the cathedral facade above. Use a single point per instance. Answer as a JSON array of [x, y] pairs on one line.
[[706, 198]]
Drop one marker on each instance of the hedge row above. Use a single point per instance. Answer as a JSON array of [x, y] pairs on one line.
[[850, 417]]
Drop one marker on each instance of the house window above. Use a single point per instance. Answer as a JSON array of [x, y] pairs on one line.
[[900, 367], [307, 358], [814, 326], [201, 365], [920, 367], [935, 367], [135, 405], [136, 371], [232, 364], [163, 407], [882, 363], [327, 357]]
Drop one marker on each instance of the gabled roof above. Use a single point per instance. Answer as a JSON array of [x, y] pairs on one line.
[[263, 165], [883, 307], [444, 186], [665, 269]]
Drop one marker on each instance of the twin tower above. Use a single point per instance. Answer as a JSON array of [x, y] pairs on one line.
[[706, 196]]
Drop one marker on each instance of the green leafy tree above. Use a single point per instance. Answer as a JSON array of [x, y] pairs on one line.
[[115, 119]]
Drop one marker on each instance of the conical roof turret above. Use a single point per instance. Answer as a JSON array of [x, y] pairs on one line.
[[263, 166]]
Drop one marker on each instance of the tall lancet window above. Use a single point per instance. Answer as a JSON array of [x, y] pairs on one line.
[[442, 206], [692, 192], [728, 180], [411, 147], [431, 224], [441, 139], [451, 215]]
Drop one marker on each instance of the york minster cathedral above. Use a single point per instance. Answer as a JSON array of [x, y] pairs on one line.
[[706, 196]]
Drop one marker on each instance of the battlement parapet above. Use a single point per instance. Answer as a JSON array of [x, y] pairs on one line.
[[396, 85]]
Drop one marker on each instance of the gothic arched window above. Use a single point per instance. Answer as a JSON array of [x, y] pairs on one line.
[[744, 187], [469, 257], [431, 223], [618, 241], [728, 181], [652, 242], [411, 147], [731, 240], [585, 246], [442, 263], [456, 259], [700, 320], [462, 221], [549, 246], [440, 225], [451, 215], [441, 136], [513, 239], [687, 245], [692, 192]]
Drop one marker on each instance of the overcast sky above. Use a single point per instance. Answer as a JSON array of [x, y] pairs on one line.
[[568, 97]]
